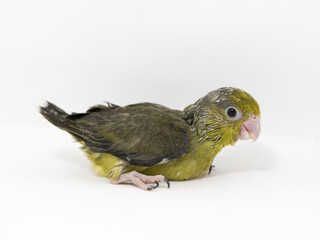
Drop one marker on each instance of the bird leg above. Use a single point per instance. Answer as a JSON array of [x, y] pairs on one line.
[[140, 180]]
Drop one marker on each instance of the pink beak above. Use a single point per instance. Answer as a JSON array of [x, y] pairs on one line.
[[250, 129]]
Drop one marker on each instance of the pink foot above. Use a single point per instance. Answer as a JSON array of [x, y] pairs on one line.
[[140, 180]]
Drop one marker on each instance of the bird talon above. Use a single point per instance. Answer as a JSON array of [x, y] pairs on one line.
[[157, 185], [210, 169], [167, 182]]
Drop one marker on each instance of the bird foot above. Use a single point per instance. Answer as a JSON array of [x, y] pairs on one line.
[[141, 180]]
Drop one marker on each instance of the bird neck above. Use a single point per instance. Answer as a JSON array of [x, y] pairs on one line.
[[219, 135]]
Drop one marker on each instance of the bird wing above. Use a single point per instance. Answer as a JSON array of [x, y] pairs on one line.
[[141, 134]]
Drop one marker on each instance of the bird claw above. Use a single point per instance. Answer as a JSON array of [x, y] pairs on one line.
[[167, 182], [210, 169], [156, 185]]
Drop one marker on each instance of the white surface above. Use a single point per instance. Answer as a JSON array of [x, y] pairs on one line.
[[80, 53], [266, 190]]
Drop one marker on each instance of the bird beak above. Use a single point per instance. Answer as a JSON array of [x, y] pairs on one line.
[[250, 129]]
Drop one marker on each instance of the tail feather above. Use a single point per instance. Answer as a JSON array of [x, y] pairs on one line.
[[60, 119], [67, 122], [54, 114]]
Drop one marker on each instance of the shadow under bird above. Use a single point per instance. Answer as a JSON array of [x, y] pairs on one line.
[[148, 143]]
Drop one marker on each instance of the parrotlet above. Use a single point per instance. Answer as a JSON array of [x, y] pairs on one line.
[[148, 143]]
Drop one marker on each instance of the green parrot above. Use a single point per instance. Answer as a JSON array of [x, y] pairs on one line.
[[148, 143]]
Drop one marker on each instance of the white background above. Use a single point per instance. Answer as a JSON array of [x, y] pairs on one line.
[[80, 53]]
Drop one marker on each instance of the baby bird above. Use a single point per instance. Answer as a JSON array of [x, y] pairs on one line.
[[148, 143]]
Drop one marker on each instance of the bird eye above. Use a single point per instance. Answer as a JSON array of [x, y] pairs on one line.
[[233, 113]]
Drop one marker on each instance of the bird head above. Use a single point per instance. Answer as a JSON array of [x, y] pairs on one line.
[[225, 115]]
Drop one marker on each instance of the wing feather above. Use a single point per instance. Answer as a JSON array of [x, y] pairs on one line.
[[141, 134]]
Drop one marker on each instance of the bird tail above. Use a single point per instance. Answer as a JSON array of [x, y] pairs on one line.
[[55, 115], [60, 119]]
